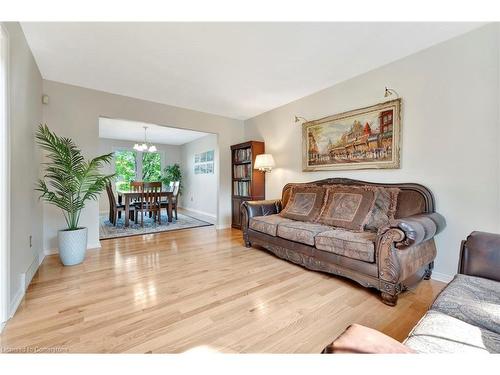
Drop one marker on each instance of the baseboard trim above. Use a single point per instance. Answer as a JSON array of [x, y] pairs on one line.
[[16, 301], [41, 257], [94, 246], [56, 250], [30, 272], [26, 279], [48, 252], [441, 277], [222, 226], [199, 212]]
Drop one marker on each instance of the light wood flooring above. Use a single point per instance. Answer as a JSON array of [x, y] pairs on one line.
[[176, 291]]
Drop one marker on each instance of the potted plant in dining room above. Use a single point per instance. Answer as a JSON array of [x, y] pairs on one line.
[[172, 173], [69, 181]]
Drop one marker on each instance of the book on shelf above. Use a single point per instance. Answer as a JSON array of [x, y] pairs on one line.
[[242, 155], [242, 171], [241, 188]]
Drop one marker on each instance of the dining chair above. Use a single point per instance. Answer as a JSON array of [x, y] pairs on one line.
[[175, 196], [136, 186], [109, 191], [174, 186], [114, 207], [150, 201]]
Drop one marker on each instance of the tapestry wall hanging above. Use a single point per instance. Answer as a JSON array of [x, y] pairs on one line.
[[364, 138]]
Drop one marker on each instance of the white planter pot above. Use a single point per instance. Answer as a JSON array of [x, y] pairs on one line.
[[72, 246]]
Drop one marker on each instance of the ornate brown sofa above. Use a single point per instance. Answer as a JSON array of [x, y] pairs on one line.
[[396, 257]]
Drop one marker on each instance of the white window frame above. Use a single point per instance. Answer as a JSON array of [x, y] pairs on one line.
[[4, 179]]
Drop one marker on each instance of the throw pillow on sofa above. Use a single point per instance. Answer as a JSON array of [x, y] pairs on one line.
[[348, 207], [305, 203], [384, 209]]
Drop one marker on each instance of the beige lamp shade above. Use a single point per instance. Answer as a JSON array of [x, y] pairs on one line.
[[264, 162]]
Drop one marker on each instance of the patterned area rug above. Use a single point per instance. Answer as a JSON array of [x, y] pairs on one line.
[[108, 230]]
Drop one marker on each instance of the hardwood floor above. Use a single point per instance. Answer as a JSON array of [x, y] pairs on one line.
[[175, 291]]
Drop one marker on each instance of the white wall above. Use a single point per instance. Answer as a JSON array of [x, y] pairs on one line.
[[199, 191], [25, 116], [170, 154], [450, 132], [74, 112]]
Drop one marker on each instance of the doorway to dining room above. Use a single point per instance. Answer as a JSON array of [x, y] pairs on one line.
[[165, 178]]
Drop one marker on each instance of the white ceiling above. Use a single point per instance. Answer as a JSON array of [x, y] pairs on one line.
[[134, 131], [237, 70]]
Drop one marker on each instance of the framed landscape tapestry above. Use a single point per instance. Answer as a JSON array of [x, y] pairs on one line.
[[361, 139]]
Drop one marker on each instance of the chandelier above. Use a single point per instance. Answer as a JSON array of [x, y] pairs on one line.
[[146, 146]]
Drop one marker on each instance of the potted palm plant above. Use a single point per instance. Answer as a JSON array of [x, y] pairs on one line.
[[68, 183]]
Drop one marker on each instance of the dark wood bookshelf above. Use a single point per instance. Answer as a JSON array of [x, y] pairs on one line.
[[247, 183]]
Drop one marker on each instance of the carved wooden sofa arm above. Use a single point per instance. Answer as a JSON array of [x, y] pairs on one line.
[[251, 209], [404, 248]]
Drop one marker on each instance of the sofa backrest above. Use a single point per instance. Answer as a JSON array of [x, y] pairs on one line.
[[413, 198]]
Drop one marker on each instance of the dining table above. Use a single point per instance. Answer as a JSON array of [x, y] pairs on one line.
[[127, 197]]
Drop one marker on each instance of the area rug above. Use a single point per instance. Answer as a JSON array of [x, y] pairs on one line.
[[108, 230]]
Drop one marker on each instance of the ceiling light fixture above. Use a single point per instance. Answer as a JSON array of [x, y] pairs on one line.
[[145, 147]]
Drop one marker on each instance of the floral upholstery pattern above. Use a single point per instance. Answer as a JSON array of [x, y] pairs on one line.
[[305, 203], [267, 224], [474, 300], [347, 206], [464, 318], [299, 231], [384, 209], [355, 245], [441, 333]]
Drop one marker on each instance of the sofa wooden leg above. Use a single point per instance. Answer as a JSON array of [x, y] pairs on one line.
[[389, 299], [428, 271], [246, 240]]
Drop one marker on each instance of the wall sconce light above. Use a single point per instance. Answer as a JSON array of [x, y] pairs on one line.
[[388, 92], [298, 118], [264, 162]]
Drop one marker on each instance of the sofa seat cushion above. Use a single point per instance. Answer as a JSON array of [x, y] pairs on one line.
[[300, 231], [440, 333], [267, 224], [474, 300], [355, 245]]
